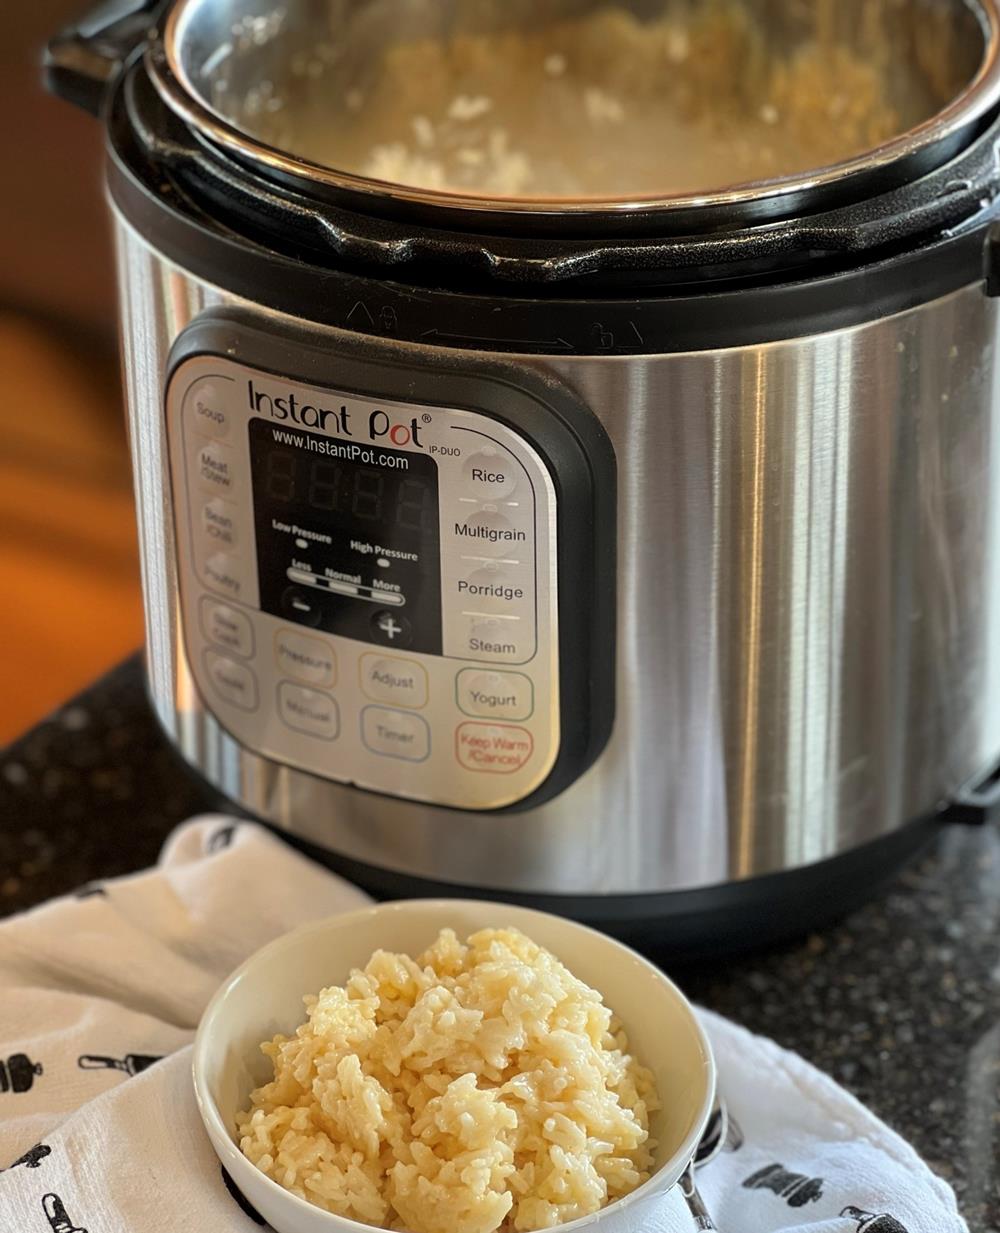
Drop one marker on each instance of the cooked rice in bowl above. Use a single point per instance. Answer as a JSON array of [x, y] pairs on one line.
[[481, 1086]]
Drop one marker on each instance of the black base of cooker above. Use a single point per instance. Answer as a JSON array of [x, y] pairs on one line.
[[709, 922]]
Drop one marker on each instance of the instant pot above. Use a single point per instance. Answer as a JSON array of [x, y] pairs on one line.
[[633, 556]]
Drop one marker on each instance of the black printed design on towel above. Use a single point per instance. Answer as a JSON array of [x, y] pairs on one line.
[[18, 1072], [796, 1188], [131, 1063], [91, 890], [221, 838], [59, 1221], [872, 1222], [247, 1208], [33, 1157]]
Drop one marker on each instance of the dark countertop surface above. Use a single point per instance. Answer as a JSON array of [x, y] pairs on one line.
[[900, 1002]]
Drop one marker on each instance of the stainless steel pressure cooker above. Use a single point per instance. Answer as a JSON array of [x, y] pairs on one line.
[[633, 551]]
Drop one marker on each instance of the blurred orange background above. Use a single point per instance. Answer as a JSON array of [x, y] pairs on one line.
[[68, 560]]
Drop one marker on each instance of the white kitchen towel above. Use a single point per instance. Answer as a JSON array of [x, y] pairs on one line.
[[99, 1132]]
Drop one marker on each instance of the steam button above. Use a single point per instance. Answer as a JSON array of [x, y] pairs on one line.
[[233, 682], [498, 639], [206, 409], [490, 475]]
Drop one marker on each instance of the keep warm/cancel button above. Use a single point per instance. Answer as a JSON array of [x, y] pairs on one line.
[[498, 748]]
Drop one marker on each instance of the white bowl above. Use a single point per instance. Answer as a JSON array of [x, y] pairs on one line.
[[264, 997]]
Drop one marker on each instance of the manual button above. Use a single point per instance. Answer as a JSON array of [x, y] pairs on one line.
[[395, 734], [309, 711], [232, 681], [307, 659], [499, 749], [400, 681]]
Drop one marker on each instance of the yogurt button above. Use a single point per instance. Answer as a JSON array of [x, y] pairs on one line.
[[495, 695]]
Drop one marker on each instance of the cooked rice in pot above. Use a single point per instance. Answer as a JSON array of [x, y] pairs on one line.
[[478, 1087]]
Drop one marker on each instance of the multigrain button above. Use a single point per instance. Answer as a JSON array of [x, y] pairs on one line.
[[215, 466], [307, 659], [218, 523], [399, 681], [495, 695], [308, 710], [491, 534], [490, 475], [222, 573], [206, 409], [395, 734], [497, 749], [226, 627], [233, 682]]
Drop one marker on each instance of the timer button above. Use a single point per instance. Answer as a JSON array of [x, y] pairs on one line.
[[497, 749], [395, 734], [495, 695], [233, 682], [490, 475], [216, 467], [489, 533], [309, 711], [206, 409], [400, 681], [306, 659], [226, 627]]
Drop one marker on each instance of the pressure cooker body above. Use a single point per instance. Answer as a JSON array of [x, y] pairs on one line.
[[630, 556]]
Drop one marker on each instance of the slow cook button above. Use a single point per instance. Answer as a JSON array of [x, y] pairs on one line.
[[218, 523], [309, 711], [233, 682], [215, 464], [491, 534], [226, 627], [400, 681], [206, 409], [306, 659], [495, 695], [499, 749], [490, 475], [395, 734], [222, 573]]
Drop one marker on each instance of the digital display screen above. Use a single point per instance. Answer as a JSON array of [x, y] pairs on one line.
[[347, 536]]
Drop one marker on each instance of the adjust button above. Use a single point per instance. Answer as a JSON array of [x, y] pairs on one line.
[[206, 409], [226, 627], [495, 695], [491, 534], [215, 465], [233, 682], [399, 681], [307, 659], [490, 475], [309, 711], [499, 749], [395, 734]]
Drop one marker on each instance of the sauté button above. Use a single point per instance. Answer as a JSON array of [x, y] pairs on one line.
[[495, 695], [308, 710], [400, 681], [206, 409], [226, 627], [489, 533], [499, 749], [222, 573], [232, 681], [218, 523], [307, 659], [215, 465], [395, 734], [490, 475]]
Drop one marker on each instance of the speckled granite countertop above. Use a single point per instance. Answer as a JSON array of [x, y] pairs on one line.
[[900, 1003]]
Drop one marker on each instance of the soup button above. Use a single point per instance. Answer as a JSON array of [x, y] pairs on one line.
[[499, 749]]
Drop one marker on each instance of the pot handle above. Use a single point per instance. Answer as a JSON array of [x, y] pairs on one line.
[[696, 1205], [82, 61]]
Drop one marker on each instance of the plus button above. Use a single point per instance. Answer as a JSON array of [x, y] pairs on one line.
[[390, 629]]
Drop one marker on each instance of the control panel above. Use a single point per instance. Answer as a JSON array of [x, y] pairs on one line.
[[369, 586]]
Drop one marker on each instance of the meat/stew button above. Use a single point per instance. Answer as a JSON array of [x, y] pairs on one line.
[[499, 749]]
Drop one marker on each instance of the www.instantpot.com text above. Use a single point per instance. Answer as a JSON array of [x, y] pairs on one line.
[[341, 449]]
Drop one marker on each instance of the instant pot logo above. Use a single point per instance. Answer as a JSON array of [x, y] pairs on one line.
[[339, 421]]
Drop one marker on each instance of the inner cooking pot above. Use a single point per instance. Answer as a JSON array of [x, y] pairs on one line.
[[562, 104]]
